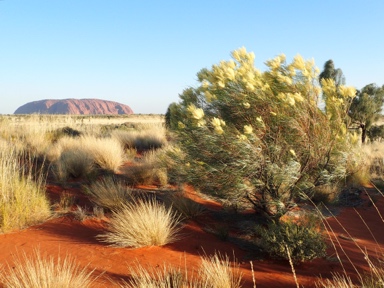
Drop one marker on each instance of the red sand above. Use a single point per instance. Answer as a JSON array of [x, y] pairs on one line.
[[66, 235]]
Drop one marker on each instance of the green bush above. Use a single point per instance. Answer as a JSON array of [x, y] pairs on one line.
[[261, 136], [303, 240]]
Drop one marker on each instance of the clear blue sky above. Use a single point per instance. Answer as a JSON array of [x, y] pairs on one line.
[[144, 53]]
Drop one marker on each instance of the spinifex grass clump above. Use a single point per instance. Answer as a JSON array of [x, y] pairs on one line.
[[37, 271], [109, 193], [261, 136], [143, 140], [22, 196], [215, 271], [78, 157], [142, 223]]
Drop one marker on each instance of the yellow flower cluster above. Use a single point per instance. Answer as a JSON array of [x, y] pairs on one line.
[[307, 68], [197, 114], [241, 55], [290, 98], [218, 125], [241, 70], [276, 62], [248, 129], [347, 92]]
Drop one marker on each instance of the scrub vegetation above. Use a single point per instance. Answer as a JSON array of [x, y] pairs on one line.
[[273, 142]]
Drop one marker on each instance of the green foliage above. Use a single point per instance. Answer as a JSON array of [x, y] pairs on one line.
[[376, 132], [330, 72], [260, 136], [366, 107], [304, 240]]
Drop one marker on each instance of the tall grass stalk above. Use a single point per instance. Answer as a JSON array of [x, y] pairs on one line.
[[292, 266]]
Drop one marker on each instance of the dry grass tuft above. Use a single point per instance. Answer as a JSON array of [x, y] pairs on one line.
[[147, 170], [338, 281], [167, 277], [37, 271], [22, 195], [153, 138], [142, 223], [76, 163], [109, 193], [217, 271]]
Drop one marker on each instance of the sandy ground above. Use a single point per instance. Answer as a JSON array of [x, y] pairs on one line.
[[67, 236]]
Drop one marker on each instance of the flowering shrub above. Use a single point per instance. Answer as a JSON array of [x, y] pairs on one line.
[[260, 136]]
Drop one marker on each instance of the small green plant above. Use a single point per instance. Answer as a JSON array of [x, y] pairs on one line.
[[304, 240], [37, 270], [142, 223]]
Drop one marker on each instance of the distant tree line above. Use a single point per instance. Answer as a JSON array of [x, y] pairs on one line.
[[363, 110]]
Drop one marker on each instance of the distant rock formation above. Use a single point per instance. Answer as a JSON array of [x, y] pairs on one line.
[[74, 106]]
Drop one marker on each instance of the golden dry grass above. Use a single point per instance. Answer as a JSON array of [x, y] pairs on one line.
[[142, 223], [22, 195], [41, 271]]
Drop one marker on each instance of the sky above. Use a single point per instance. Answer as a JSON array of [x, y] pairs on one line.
[[145, 53]]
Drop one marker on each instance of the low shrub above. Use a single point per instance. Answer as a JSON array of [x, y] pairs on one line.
[[142, 223], [304, 240]]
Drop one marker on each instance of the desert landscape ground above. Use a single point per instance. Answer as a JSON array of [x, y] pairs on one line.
[[354, 233]]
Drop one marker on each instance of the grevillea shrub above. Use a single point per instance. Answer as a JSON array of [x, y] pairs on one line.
[[261, 136]]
